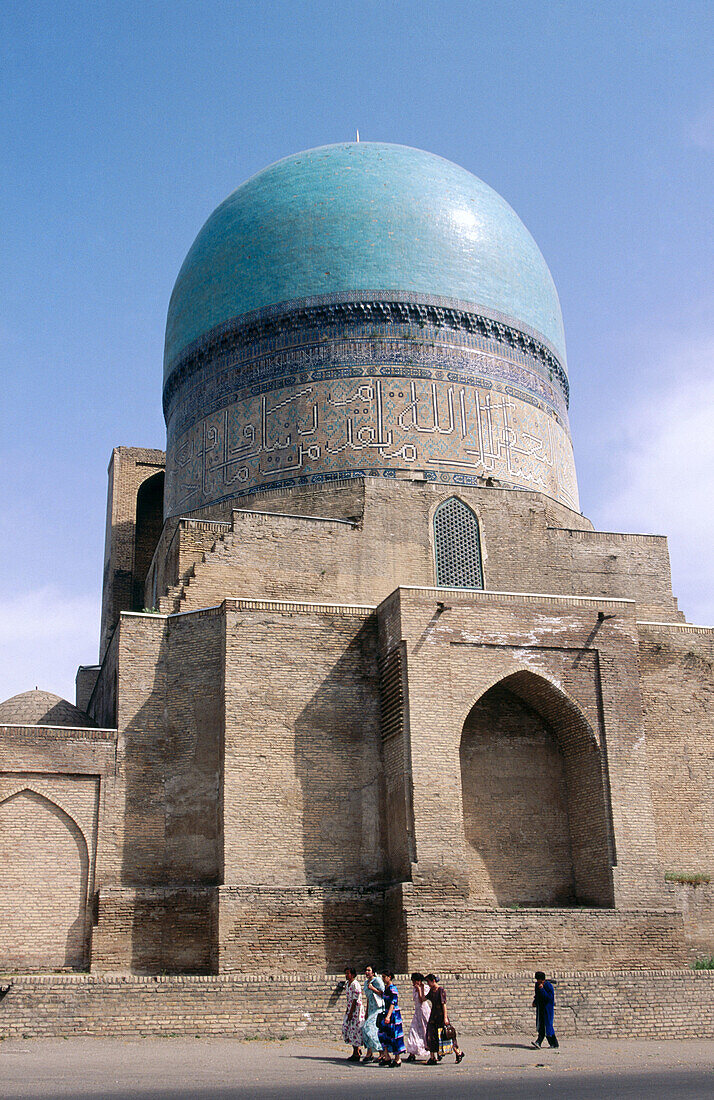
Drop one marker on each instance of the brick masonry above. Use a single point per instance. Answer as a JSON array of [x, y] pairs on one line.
[[595, 1004], [53, 805], [322, 753]]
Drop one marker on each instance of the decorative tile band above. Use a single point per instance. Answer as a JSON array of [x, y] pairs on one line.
[[362, 308], [321, 393]]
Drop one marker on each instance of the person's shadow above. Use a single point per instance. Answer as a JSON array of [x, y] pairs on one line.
[[334, 1059], [511, 1046]]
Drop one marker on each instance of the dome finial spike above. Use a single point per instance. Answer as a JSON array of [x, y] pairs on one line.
[[357, 133]]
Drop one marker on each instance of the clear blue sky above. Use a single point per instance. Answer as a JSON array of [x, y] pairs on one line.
[[124, 124]]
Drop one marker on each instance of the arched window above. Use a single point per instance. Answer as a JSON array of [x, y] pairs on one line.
[[457, 546], [147, 531]]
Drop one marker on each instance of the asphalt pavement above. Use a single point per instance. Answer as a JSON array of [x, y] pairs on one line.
[[223, 1069]]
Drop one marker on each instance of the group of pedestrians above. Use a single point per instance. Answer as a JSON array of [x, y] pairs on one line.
[[373, 1020]]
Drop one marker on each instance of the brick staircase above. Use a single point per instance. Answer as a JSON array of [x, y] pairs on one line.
[[178, 595]]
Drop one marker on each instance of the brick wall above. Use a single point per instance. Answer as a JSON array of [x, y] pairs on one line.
[[515, 806], [52, 800], [43, 899], [388, 542], [169, 675], [272, 930], [439, 923], [696, 904], [594, 1004], [301, 789], [677, 675], [154, 931], [589, 697]]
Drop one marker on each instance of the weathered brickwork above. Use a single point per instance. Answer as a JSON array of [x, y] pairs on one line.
[[677, 674], [283, 930], [696, 904], [159, 930], [526, 547], [318, 754], [512, 771], [53, 792], [442, 923], [302, 769], [592, 1003]]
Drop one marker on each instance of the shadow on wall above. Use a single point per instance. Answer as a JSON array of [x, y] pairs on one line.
[[534, 801], [339, 767], [161, 920], [45, 871]]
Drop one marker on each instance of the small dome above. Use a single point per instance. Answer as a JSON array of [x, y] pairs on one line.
[[41, 708], [362, 217]]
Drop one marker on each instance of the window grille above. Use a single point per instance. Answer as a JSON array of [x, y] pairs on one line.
[[457, 546]]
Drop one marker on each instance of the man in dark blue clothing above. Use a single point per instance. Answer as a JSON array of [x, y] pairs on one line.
[[544, 1004]]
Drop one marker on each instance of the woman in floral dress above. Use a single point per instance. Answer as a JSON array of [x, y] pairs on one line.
[[391, 1034], [416, 1040], [354, 1014], [373, 990]]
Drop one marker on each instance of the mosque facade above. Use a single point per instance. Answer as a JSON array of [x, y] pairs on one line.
[[370, 686]]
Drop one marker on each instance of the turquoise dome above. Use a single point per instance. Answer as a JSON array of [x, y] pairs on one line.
[[362, 217]]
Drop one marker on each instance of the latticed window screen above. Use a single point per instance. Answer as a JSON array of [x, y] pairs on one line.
[[457, 546]]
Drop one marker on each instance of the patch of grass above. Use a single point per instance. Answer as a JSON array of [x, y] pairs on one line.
[[707, 963], [697, 879]]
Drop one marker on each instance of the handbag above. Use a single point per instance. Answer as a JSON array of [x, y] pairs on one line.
[[447, 1034]]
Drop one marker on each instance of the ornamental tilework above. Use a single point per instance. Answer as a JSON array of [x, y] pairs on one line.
[[339, 388], [301, 402], [341, 426]]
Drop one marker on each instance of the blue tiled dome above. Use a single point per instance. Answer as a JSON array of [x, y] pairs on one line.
[[362, 217]]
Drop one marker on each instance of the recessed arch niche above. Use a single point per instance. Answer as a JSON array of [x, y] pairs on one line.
[[43, 900], [534, 801]]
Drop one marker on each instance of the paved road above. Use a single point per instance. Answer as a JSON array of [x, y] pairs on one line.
[[223, 1069]]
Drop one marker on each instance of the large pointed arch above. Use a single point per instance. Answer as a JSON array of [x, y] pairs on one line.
[[534, 796]]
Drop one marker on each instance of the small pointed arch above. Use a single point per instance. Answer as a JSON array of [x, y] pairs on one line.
[[43, 903], [54, 807], [458, 561]]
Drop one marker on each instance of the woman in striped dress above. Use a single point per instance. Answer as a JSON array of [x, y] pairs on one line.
[[391, 1032]]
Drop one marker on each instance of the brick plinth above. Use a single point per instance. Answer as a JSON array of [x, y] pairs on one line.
[[622, 1004], [439, 924]]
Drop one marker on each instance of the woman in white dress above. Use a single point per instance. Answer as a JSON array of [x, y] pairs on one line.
[[416, 1040], [354, 1014]]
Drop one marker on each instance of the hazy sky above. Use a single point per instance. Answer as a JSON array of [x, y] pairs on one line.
[[123, 125]]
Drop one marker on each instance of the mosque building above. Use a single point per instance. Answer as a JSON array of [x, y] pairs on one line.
[[370, 686]]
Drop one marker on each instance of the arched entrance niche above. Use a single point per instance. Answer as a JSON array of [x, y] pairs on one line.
[[535, 812], [149, 524], [43, 900]]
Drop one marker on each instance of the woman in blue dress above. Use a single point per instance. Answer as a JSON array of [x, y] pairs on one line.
[[391, 1033]]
